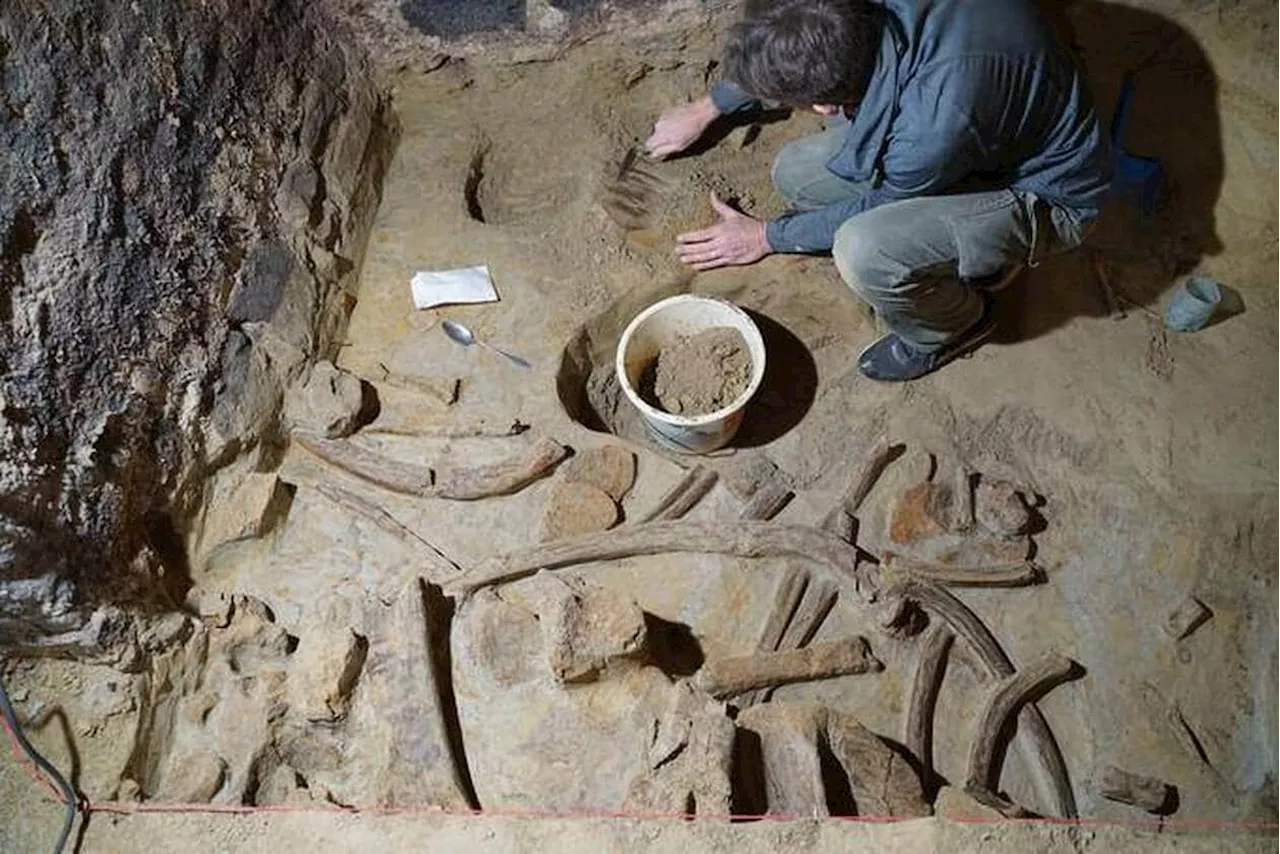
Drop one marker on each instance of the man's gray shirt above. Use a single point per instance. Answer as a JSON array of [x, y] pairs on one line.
[[965, 95]]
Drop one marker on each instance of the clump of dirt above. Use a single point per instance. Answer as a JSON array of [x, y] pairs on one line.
[[699, 373]]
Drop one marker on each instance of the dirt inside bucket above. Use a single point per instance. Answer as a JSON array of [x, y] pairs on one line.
[[698, 374]]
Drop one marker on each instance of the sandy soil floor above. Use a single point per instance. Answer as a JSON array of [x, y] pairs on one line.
[[1154, 452]]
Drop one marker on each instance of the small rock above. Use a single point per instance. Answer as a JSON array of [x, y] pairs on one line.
[[252, 643], [999, 508], [296, 196], [261, 282], [167, 630], [214, 607], [577, 508], [1190, 615], [128, 792], [328, 404], [196, 778], [957, 804], [609, 468], [545, 19], [238, 505], [324, 673], [282, 787]]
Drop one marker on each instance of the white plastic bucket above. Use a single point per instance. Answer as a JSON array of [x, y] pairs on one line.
[[660, 325]]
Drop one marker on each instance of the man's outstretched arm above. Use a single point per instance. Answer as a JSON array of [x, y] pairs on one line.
[[681, 126]]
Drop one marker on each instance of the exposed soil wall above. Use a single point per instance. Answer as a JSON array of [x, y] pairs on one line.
[[184, 198]]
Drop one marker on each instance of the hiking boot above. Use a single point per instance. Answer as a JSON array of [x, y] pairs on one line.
[[893, 360]]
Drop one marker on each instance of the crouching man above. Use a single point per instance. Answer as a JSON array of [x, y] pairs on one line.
[[961, 144]]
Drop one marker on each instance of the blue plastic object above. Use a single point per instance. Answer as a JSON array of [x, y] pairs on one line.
[[1139, 179], [1194, 304]]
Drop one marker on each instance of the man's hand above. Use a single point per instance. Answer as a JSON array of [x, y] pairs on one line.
[[679, 127], [736, 239]]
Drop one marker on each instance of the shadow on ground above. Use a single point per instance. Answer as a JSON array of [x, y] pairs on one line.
[[1175, 119]]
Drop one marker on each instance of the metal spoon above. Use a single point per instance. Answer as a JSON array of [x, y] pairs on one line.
[[466, 338]]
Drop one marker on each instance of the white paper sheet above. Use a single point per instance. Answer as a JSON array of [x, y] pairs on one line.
[[445, 287]]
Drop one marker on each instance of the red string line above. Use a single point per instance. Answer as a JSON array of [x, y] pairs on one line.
[[125, 808]]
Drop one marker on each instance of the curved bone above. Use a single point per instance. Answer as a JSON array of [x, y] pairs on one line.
[[1049, 770], [743, 539], [931, 669], [1002, 706], [460, 483]]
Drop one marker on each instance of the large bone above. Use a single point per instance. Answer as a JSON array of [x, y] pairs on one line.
[[767, 501], [1011, 695], [460, 483], [874, 465], [743, 539], [727, 677], [1017, 574], [788, 595], [818, 600], [790, 592], [931, 669], [1049, 770]]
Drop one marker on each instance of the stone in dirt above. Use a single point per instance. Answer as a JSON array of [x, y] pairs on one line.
[[199, 777], [999, 508], [957, 804], [577, 508], [324, 672], [282, 787], [238, 505], [609, 468], [702, 373], [1190, 615], [329, 403]]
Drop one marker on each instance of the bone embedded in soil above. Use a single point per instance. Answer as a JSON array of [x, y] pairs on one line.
[[702, 373]]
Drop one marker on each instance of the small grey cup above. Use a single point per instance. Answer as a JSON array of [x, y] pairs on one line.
[[1193, 305]]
